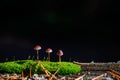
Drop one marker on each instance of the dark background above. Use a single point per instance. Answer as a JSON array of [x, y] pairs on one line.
[[84, 30]]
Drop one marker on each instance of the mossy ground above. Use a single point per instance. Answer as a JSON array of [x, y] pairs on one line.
[[19, 65]]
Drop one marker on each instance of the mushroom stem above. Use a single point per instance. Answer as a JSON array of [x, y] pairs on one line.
[[49, 57], [59, 58], [37, 55]]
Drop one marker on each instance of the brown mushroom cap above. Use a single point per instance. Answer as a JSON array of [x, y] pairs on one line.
[[48, 50], [37, 47], [60, 53]]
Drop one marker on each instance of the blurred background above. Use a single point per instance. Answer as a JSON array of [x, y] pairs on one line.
[[84, 30]]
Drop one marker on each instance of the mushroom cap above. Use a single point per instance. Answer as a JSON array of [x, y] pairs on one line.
[[37, 47], [48, 50], [59, 52]]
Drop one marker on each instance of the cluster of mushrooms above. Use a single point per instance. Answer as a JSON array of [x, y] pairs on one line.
[[48, 50]]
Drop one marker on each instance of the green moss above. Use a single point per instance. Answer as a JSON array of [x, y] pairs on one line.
[[17, 67]]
